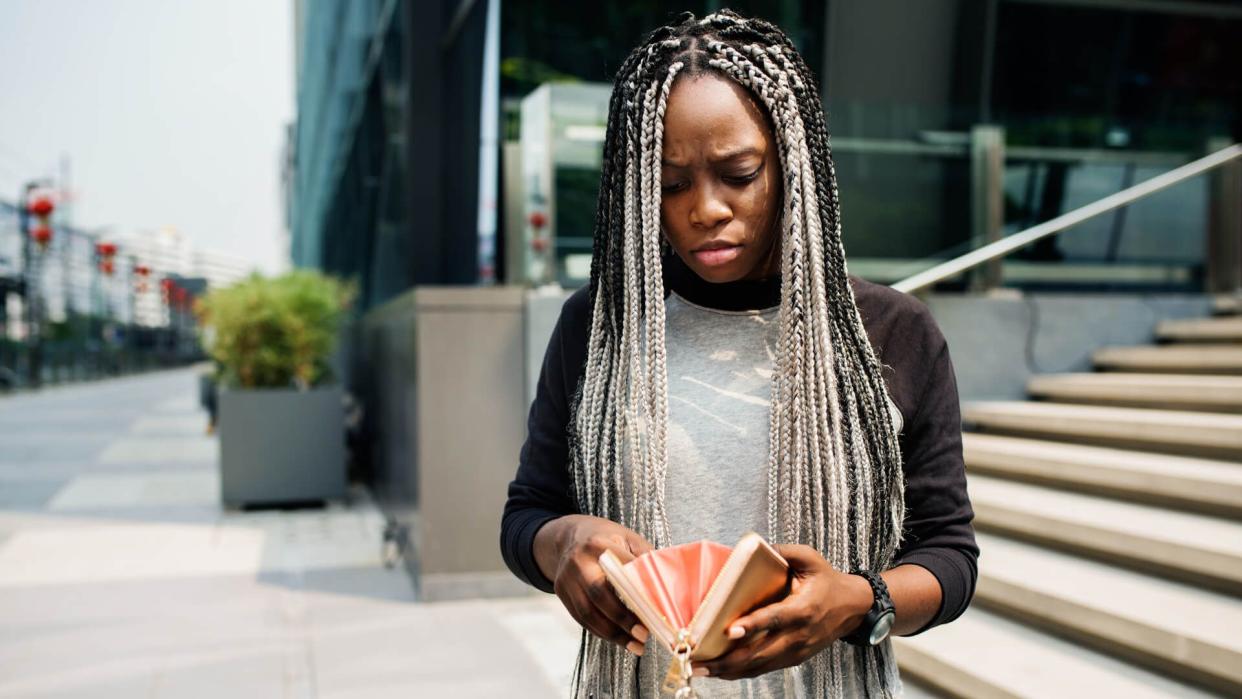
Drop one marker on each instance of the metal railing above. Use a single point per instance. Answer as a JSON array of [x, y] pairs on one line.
[[998, 249]]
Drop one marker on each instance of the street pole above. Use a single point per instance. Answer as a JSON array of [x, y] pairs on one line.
[[130, 323], [94, 328], [30, 293], [23, 229]]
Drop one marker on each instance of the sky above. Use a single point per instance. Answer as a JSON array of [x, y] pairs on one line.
[[171, 112]]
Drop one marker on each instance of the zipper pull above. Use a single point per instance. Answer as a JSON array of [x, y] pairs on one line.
[[677, 680]]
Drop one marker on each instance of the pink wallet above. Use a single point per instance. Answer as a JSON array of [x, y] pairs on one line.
[[687, 595]]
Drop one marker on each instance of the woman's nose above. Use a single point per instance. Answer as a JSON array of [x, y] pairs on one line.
[[709, 210]]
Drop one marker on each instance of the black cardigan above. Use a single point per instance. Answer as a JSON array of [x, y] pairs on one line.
[[938, 534]]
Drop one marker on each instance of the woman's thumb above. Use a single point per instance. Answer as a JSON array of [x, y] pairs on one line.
[[637, 544], [800, 553]]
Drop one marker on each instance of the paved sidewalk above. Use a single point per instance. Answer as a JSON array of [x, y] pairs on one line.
[[121, 576]]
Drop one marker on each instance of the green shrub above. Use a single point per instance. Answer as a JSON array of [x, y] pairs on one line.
[[274, 332]]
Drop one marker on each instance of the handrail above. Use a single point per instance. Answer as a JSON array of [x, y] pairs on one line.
[[1000, 248], [957, 144]]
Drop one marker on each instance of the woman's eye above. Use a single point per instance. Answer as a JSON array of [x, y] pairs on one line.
[[742, 179], [671, 187]]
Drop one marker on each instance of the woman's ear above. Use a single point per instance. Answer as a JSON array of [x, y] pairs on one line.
[[666, 248]]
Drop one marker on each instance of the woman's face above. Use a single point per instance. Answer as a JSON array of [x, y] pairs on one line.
[[721, 181]]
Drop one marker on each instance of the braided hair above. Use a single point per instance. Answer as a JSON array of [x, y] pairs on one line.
[[834, 467]]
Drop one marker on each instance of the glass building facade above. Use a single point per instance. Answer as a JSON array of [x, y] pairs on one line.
[[1087, 98], [1091, 97], [388, 100], [1082, 97]]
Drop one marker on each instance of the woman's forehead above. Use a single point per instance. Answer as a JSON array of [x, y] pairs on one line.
[[712, 117]]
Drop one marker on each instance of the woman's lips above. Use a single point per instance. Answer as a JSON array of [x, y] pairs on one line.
[[718, 256]]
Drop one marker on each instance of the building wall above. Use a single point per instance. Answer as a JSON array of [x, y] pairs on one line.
[[385, 156]]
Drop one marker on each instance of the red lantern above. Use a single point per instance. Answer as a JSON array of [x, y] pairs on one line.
[[41, 207], [538, 220], [142, 272], [42, 235], [105, 250], [107, 266], [180, 294]]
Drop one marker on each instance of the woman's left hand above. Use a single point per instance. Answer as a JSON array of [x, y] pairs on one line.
[[823, 605]]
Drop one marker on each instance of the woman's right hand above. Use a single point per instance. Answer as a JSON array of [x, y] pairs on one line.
[[567, 550]]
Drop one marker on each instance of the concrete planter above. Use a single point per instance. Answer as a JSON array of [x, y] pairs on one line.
[[281, 445]]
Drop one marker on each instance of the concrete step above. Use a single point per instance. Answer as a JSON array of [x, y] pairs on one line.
[[1227, 305], [1175, 359], [1193, 548], [1198, 485], [984, 655], [1224, 329], [915, 690], [1220, 394], [1174, 628], [1207, 435]]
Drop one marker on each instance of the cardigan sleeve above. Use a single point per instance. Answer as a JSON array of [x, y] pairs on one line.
[[938, 533], [541, 490]]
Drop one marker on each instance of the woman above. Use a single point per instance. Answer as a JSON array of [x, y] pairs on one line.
[[723, 373]]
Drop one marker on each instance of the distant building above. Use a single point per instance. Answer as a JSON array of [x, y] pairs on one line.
[[168, 251]]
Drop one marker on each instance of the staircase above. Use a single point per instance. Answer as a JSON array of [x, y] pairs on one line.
[[1109, 520]]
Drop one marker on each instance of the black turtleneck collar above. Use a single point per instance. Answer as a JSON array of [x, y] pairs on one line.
[[741, 295]]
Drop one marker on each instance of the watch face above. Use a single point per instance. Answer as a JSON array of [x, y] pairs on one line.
[[882, 626]]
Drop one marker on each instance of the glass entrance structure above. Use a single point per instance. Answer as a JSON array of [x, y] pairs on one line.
[[1075, 99]]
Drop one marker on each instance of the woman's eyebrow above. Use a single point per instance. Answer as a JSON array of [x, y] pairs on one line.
[[736, 154], [722, 158]]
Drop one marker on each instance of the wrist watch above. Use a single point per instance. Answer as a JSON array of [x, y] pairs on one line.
[[879, 620]]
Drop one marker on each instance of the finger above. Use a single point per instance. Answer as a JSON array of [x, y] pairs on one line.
[[628, 547], [606, 615], [791, 654], [772, 652], [798, 555], [600, 625], [605, 599], [637, 544], [774, 618], [741, 651], [571, 591]]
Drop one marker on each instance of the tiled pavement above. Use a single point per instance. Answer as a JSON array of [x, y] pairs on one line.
[[121, 576]]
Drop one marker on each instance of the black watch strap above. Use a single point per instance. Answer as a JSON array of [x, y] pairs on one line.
[[880, 605]]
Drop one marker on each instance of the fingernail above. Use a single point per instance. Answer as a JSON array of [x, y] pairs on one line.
[[736, 631], [640, 632], [699, 672], [635, 647]]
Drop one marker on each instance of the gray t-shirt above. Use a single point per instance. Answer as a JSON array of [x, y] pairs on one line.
[[720, 367]]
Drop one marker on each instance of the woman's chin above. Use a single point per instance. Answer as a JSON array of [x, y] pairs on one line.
[[719, 274]]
